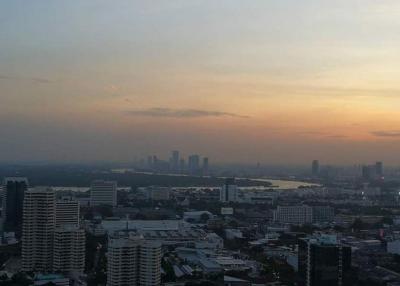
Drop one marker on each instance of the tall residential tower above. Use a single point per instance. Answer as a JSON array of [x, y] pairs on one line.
[[38, 229], [131, 260], [14, 189]]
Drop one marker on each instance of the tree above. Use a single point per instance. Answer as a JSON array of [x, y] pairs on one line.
[[387, 220], [204, 217], [359, 224]]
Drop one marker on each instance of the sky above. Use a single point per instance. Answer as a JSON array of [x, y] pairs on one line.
[[276, 82]]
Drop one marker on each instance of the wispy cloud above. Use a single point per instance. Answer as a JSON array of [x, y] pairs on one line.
[[338, 136], [322, 134], [382, 133], [181, 113], [311, 133], [19, 78]]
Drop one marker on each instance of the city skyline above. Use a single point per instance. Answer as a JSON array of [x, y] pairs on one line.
[[272, 82]]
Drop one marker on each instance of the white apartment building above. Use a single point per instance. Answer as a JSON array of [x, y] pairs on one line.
[[294, 214], [150, 263], [304, 214], [69, 249], [131, 260], [38, 229], [51, 238], [103, 193], [67, 212]]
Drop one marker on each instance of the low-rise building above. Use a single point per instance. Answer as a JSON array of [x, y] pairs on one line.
[[197, 216], [293, 214], [156, 193], [393, 246], [51, 279], [303, 214], [231, 233]]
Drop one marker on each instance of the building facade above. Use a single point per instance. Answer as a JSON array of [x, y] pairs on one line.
[[293, 214], [103, 193], [303, 214], [51, 238], [229, 192], [67, 212], [323, 261], [131, 260], [38, 229], [69, 249], [156, 193], [14, 189], [193, 164]]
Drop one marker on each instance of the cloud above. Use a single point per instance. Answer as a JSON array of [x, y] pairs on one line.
[[311, 133], [32, 79], [322, 134], [338, 136], [382, 133], [181, 113], [40, 80]]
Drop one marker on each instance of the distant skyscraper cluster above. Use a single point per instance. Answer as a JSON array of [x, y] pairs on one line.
[[372, 172], [195, 165]]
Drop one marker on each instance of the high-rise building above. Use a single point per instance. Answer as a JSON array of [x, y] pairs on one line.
[[131, 260], [315, 168], [2, 209], [103, 193], [38, 229], [150, 263], [366, 172], [149, 161], [67, 212], [182, 165], [379, 169], [229, 191], [69, 249], [322, 260], [155, 161], [175, 161], [51, 237], [205, 166], [193, 164], [14, 189]]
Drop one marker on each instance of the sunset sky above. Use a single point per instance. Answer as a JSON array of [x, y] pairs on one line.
[[277, 82]]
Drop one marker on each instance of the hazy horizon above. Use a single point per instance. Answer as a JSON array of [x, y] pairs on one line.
[[276, 82]]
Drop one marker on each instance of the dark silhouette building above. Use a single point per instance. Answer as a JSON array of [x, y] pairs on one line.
[[366, 172], [324, 261], [14, 191], [379, 169], [205, 166], [315, 168], [175, 161], [194, 164]]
